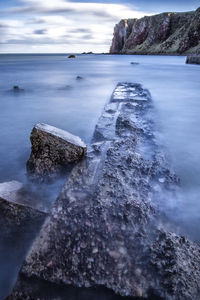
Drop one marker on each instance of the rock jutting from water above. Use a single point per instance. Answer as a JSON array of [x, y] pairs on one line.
[[105, 227], [13, 213], [72, 56], [193, 59], [166, 33], [53, 149], [17, 89]]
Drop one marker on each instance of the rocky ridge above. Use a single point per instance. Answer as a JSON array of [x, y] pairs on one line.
[[104, 229], [166, 33]]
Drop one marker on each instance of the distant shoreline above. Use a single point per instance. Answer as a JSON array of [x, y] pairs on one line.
[[65, 54]]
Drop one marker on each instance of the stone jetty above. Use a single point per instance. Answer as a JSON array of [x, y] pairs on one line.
[[105, 229]]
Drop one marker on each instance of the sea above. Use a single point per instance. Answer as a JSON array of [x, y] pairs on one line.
[[52, 94]]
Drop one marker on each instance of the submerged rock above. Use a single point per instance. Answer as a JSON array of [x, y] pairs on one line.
[[193, 59], [104, 229], [72, 56], [53, 150], [79, 77], [17, 89]]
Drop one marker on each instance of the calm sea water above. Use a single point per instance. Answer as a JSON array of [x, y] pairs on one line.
[[53, 95]]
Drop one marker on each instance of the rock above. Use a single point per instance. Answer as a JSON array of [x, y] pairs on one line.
[[104, 229], [193, 59], [86, 53], [52, 151], [17, 89], [166, 33], [79, 78], [72, 56], [134, 63], [9, 190], [13, 213]]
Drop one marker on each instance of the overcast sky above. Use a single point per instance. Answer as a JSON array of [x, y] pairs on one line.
[[65, 26]]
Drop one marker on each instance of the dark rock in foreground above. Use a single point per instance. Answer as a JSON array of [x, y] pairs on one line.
[[166, 33], [52, 150], [72, 56], [104, 230], [193, 59], [14, 214]]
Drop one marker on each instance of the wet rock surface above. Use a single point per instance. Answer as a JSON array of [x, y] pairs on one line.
[[105, 228], [193, 59], [19, 224], [14, 214], [53, 150]]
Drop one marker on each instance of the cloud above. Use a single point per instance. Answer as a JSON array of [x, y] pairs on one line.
[[72, 25], [81, 30], [40, 31]]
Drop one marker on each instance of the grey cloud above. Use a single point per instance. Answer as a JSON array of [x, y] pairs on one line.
[[38, 10], [40, 31], [81, 30], [4, 25], [50, 41], [53, 11], [35, 21], [87, 36]]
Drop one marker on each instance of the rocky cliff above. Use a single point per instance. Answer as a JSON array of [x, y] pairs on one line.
[[166, 33]]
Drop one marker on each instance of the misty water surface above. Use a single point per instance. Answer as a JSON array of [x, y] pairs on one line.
[[53, 95]]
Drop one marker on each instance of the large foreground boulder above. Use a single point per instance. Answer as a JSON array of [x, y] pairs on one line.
[[105, 229], [19, 224], [53, 150]]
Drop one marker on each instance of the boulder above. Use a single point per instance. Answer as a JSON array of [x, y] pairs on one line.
[[193, 59], [13, 213], [19, 225], [105, 229], [53, 150], [10, 190], [72, 56]]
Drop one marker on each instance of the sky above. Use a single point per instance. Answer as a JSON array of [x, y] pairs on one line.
[[72, 26]]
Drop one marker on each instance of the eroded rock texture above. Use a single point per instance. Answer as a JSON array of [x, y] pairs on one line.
[[53, 150], [104, 230], [14, 215], [166, 33]]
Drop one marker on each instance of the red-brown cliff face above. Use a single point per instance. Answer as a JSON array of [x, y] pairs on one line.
[[166, 33]]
